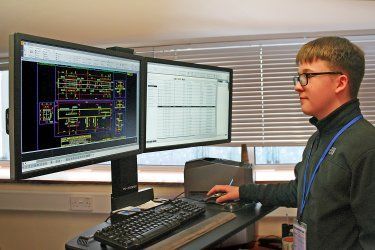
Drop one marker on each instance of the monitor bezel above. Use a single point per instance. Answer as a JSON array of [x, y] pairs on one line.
[[183, 64], [15, 105]]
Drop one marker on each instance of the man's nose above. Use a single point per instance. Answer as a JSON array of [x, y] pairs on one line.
[[298, 87]]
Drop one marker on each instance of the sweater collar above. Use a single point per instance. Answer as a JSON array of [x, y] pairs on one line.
[[338, 118]]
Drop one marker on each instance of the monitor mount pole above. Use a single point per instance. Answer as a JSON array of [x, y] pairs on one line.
[[125, 175], [125, 184]]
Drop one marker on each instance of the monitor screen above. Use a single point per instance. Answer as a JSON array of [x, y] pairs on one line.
[[186, 104], [70, 105]]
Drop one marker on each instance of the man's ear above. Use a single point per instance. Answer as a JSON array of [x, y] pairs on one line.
[[342, 85]]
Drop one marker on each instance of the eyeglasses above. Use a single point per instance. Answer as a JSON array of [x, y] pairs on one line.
[[303, 78]]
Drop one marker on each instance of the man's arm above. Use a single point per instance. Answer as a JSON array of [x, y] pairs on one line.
[[284, 194], [362, 196]]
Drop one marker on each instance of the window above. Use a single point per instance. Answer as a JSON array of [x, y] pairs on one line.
[[266, 110], [178, 157], [4, 103], [278, 155]]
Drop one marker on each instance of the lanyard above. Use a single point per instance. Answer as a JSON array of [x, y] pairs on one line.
[[307, 186]]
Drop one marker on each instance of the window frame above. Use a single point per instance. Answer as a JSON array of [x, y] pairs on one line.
[[252, 41]]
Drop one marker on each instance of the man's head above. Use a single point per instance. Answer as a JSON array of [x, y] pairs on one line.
[[325, 92], [340, 54]]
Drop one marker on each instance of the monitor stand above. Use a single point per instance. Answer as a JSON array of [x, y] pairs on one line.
[[125, 184]]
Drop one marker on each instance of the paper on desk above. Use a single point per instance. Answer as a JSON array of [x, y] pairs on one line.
[[127, 209], [144, 206], [149, 204]]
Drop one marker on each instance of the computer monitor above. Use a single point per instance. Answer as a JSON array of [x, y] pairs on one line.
[[70, 105], [186, 104]]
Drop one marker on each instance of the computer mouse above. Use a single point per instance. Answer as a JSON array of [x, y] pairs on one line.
[[212, 198], [232, 206]]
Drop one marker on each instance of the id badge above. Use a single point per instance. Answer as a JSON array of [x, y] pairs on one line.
[[299, 235]]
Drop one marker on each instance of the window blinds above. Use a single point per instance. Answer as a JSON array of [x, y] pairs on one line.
[[266, 109], [366, 93]]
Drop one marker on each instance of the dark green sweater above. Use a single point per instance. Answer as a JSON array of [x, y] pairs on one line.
[[340, 208]]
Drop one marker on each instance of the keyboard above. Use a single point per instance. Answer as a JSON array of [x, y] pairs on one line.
[[139, 229], [182, 238]]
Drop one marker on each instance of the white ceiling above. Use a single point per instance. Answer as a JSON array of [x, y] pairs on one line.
[[148, 22]]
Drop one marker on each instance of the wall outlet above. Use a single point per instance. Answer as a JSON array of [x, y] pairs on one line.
[[81, 203]]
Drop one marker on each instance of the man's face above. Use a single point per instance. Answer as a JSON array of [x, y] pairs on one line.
[[318, 96]]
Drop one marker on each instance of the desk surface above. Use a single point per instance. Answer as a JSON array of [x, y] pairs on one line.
[[244, 218]]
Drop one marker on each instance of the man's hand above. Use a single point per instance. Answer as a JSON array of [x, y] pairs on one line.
[[231, 193]]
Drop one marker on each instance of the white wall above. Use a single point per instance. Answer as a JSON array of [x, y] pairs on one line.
[[41, 221]]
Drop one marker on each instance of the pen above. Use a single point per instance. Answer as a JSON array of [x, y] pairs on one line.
[[231, 182]]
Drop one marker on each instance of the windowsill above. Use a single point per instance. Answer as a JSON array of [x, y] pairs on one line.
[[146, 174], [102, 174], [271, 173]]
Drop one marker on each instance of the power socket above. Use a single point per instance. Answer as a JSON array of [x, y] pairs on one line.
[[286, 230], [81, 203]]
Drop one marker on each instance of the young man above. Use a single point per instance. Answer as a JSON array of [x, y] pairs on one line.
[[334, 188]]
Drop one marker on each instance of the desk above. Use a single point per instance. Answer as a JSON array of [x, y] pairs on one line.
[[245, 217]]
